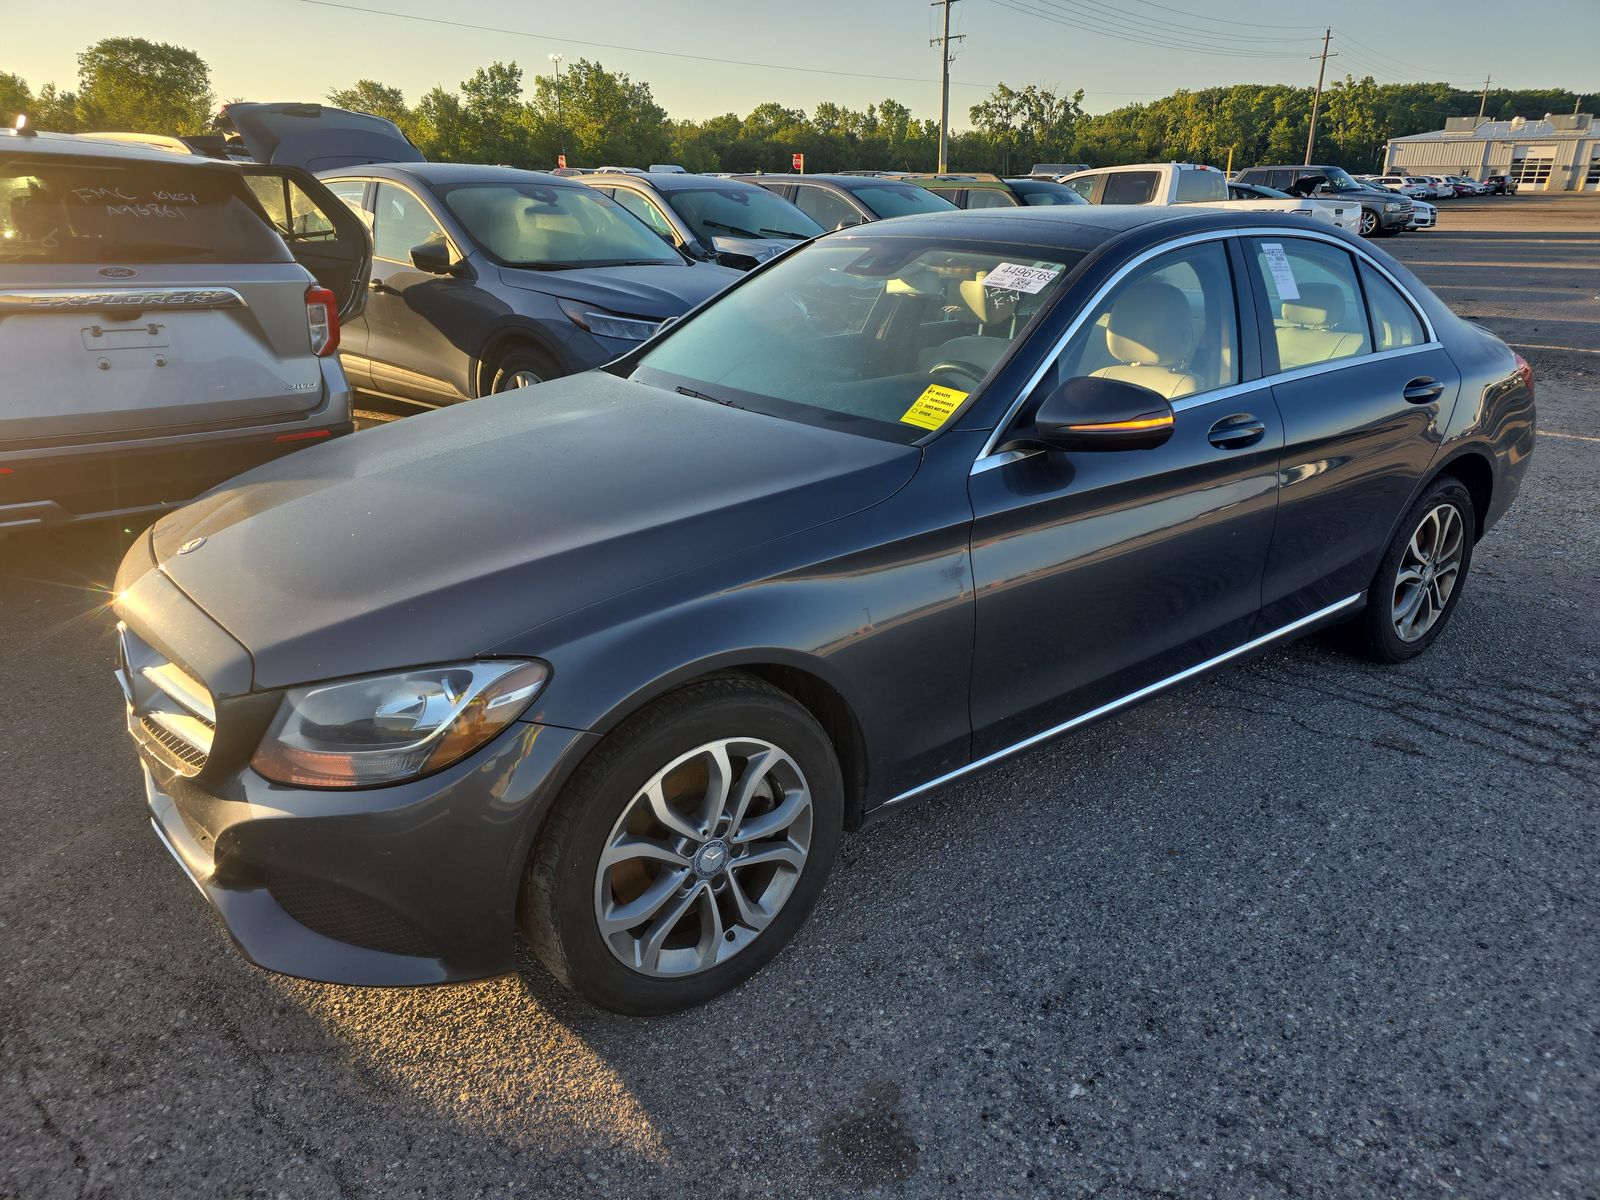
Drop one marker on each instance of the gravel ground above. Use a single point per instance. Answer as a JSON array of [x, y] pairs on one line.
[[1306, 928]]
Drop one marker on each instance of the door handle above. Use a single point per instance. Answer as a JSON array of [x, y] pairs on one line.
[[1236, 432], [1423, 390]]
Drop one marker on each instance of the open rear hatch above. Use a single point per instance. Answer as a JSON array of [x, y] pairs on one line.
[[316, 136]]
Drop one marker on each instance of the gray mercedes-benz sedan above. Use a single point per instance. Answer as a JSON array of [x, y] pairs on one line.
[[617, 668]]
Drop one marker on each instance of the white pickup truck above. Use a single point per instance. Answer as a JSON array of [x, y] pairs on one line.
[[1205, 187]]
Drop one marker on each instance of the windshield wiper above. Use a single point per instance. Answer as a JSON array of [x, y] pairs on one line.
[[733, 229], [787, 233], [683, 391], [549, 266]]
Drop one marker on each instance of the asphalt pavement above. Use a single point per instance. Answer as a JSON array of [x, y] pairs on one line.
[[1308, 927]]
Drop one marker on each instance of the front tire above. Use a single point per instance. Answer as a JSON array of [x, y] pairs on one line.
[[1419, 581], [687, 850], [523, 366], [1369, 223]]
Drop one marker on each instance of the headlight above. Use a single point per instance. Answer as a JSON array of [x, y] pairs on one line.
[[1392, 206], [388, 728], [603, 324]]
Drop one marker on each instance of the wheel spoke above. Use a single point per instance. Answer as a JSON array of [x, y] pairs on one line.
[[711, 929], [666, 814], [632, 846], [661, 928], [616, 918], [765, 825], [756, 769], [751, 915], [785, 854], [719, 782]]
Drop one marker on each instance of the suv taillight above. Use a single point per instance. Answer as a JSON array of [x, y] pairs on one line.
[[1524, 370], [322, 320]]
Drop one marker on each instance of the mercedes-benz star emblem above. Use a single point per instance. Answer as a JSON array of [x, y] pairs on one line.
[[191, 545]]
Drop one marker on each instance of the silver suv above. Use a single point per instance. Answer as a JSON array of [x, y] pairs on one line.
[[167, 321]]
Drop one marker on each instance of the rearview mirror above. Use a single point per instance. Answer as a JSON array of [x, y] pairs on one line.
[[433, 256], [1091, 413]]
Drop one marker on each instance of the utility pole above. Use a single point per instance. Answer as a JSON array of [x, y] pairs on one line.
[[1316, 100], [561, 126], [943, 42], [1483, 100]]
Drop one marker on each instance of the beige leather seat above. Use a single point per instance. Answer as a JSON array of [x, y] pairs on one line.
[[989, 306], [1310, 330], [1151, 335]]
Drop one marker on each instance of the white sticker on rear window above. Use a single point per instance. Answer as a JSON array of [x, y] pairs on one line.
[[1282, 273], [1014, 277]]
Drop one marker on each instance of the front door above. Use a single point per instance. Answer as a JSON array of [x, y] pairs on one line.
[[1099, 573], [1364, 393], [321, 231]]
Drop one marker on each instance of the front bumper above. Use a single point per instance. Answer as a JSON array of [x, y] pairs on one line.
[[416, 883], [1391, 221]]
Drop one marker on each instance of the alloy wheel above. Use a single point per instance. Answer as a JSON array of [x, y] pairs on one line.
[[1429, 570], [521, 379], [703, 857], [1369, 222]]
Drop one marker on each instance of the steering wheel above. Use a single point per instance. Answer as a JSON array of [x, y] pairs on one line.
[[956, 366]]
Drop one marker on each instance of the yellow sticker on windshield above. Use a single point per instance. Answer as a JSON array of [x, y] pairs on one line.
[[933, 407]]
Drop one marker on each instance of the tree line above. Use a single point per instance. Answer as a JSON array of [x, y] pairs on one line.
[[605, 118]]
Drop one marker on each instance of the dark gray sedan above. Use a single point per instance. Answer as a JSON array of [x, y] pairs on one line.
[[618, 667], [490, 278]]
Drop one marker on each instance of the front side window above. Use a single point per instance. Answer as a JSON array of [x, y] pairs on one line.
[[1394, 322], [1084, 185], [553, 227], [1130, 187], [1172, 326], [988, 198], [1314, 300], [742, 210], [55, 209], [885, 336], [826, 209], [400, 223], [647, 212]]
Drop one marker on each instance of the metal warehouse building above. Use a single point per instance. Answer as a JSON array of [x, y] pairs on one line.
[[1558, 154]]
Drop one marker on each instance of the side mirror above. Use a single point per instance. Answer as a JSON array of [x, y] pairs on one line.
[[1089, 413], [433, 256]]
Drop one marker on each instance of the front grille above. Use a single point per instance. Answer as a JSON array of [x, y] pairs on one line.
[[348, 916], [169, 711]]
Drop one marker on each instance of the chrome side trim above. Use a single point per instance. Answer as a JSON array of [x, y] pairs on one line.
[[114, 299], [1214, 235], [1131, 698]]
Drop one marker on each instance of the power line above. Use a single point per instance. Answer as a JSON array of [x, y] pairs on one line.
[[1208, 17], [1123, 35], [527, 33], [1161, 27]]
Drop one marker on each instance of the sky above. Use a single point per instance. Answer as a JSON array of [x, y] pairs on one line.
[[1117, 51]]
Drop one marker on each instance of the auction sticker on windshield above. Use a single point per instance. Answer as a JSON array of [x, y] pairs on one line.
[[1014, 277], [933, 407]]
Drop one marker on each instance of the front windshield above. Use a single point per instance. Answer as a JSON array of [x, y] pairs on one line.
[[1339, 179], [741, 210], [552, 228], [899, 199], [886, 336]]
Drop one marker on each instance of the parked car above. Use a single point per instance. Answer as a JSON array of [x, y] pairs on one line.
[[717, 220], [666, 169], [990, 191], [1423, 215], [1441, 189], [1465, 186], [1191, 183], [491, 278], [159, 333], [571, 172], [622, 665], [839, 201], [1500, 185], [1407, 185], [1382, 212], [1337, 213]]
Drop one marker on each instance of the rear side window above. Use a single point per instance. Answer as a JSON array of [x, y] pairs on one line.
[[1130, 187], [1318, 314], [294, 214], [823, 207], [988, 198], [102, 210], [1200, 186], [1394, 322]]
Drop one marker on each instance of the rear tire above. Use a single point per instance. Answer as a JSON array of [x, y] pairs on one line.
[[523, 366], [1419, 581], [646, 911]]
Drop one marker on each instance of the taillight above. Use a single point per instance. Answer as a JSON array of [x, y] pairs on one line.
[[322, 320], [1524, 370]]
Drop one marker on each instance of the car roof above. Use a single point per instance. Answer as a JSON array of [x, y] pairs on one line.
[[848, 182], [448, 173], [1075, 226], [80, 146], [665, 181]]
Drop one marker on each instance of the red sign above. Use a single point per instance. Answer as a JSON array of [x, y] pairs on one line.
[[797, 162], [561, 162]]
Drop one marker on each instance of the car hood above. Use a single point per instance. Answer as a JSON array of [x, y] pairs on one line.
[[658, 291], [437, 537]]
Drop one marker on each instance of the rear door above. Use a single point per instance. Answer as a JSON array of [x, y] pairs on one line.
[[143, 293], [1365, 393], [323, 233]]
